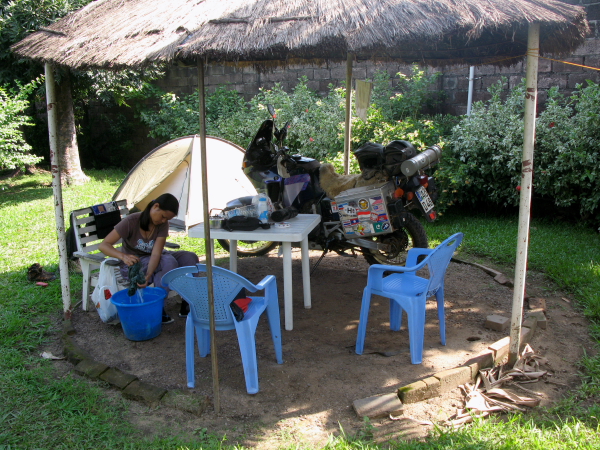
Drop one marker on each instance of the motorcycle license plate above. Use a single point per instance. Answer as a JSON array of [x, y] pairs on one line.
[[425, 199]]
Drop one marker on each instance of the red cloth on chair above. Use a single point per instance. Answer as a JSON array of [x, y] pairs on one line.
[[243, 303]]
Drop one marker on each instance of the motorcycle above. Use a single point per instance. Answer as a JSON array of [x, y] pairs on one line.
[[374, 218]]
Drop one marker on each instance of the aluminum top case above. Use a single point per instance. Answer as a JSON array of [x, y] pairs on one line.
[[363, 210]]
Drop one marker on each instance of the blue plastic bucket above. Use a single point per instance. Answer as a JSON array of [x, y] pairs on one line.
[[140, 320]]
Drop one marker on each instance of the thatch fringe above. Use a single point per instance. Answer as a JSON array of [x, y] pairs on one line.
[[136, 33]]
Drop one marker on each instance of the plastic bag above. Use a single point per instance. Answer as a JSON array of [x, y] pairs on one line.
[[104, 290]]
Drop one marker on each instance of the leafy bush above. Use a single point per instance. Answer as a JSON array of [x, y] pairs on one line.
[[483, 164], [413, 96], [14, 151], [316, 123], [401, 115], [567, 159]]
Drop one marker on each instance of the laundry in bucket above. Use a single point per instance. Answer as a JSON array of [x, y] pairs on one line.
[[136, 276]]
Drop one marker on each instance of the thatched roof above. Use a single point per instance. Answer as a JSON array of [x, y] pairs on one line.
[[118, 33]]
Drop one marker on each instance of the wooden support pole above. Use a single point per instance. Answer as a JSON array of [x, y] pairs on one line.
[[348, 129], [57, 190], [207, 240], [533, 49]]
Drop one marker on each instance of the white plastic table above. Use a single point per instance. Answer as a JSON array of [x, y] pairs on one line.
[[300, 227]]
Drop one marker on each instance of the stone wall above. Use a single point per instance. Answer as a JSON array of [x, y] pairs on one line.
[[454, 80]]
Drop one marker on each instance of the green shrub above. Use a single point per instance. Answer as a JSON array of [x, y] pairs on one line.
[[316, 123], [483, 163], [567, 158], [14, 151], [484, 160], [412, 96]]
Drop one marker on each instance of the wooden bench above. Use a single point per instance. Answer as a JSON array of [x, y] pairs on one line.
[[87, 242]]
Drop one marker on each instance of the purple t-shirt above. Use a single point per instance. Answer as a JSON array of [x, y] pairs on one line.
[[133, 241]]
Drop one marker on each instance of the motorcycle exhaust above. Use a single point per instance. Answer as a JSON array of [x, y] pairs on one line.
[[424, 159]]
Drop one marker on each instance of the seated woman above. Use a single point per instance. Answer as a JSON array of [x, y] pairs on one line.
[[144, 235]]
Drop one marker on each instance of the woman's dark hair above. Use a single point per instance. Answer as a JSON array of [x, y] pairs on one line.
[[166, 202]]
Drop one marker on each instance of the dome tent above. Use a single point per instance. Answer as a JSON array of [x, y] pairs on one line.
[[174, 167]]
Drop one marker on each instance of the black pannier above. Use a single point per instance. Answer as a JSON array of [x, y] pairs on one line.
[[394, 154]]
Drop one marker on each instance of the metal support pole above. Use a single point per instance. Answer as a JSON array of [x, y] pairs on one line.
[[470, 96], [348, 129], [533, 44], [207, 241], [57, 190]]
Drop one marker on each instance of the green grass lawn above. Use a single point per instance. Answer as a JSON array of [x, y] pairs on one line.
[[39, 409]]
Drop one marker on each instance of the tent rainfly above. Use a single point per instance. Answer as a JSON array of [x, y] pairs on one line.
[[174, 167]]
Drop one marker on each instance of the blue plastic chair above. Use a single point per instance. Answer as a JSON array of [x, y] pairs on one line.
[[407, 291], [226, 285]]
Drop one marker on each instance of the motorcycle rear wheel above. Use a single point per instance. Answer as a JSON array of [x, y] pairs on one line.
[[250, 248], [402, 240]]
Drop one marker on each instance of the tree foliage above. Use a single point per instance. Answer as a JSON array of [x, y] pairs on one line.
[[14, 151], [18, 18]]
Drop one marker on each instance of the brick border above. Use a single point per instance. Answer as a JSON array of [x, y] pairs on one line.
[[452, 378], [446, 380], [130, 386]]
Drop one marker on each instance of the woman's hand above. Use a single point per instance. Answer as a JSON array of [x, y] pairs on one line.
[[130, 260]]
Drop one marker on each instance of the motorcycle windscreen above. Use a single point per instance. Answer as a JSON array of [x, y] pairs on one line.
[[294, 185]]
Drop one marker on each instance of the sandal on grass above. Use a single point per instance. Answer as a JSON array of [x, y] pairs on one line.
[[37, 273]]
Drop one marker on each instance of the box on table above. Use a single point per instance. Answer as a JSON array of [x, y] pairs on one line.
[[363, 210]]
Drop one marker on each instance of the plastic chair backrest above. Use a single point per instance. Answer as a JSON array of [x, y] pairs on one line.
[[438, 262], [226, 285]]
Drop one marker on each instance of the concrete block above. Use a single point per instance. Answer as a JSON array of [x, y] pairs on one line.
[[414, 392], [485, 360], [434, 388], [501, 279], [540, 315], [500, 349], [90, 368], [526, 336], [530, 322], [378, 406], [536, 303], [497, 323], [569, 68], [186, 401], [143, 392], [73, 352], [117, 377], [452, 378]]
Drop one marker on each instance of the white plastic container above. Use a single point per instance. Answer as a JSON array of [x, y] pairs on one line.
[[261, 201]]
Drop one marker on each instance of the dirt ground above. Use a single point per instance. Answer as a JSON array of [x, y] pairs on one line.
[[310, 396]]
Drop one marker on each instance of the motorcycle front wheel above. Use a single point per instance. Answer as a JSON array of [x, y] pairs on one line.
[[250, 248], [400, 241]]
